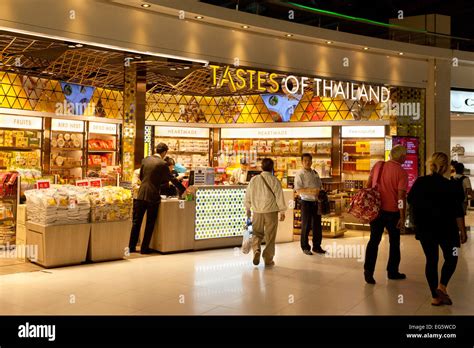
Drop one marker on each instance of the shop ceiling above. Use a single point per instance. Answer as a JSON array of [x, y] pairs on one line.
[[94, 66]]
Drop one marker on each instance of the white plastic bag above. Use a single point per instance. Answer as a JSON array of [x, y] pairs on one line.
[[247, 240]]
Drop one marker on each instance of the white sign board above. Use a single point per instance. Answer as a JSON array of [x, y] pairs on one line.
[[276, 133], [67, 125], [462, 101], [363, 132], [182, 132], [102, 128], [21, 122]]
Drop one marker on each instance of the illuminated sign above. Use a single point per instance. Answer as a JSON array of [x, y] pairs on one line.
[[102, 128], [20, 122], [183, 132], [277, 133], [363, 131], [67, 125], [246, 79], [462, 101]]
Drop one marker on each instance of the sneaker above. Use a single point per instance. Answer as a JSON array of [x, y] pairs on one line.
[[256, 258], [307, 252], [369, 277], [319, 250], [396, 276]]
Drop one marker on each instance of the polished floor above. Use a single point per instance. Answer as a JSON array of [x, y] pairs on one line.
[[224, 282]]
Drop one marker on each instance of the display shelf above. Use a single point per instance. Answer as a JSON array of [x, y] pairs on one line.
[[191, 152], [363, 155], [66, 149], [66, 167], [8, 219], [12, 148], [102, 151]]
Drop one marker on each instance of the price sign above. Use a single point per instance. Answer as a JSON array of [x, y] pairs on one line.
[[95, 182], [42, 184], [82, 183]]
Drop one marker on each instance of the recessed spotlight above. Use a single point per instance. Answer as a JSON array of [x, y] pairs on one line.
[[138, 57], [146, 5], [186, 68], [366, 48], [180, 68], [78, 45], [289, 35], [329, 42], [199, 17], [71, 46], [245, 26], [172, 68], [400, 53]]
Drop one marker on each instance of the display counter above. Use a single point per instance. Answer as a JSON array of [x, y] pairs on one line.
[[216, 219]]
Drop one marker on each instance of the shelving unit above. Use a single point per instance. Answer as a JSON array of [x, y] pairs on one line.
[[67, 150], [102, 151], [9, 199], [20, 148], [190, 152]]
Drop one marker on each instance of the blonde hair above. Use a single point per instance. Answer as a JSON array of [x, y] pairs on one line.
[[397, 152], [439, 163]]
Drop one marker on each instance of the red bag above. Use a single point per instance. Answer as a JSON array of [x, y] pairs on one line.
[[365, 205]]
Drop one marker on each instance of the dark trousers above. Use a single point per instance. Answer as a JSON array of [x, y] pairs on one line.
[[139, 209], [310, 220], [431, 249], [387, 220]]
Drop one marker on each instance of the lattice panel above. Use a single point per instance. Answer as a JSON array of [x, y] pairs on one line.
[[220, 213], [39, 94]]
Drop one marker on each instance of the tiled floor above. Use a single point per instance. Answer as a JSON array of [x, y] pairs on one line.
[[224, 282]]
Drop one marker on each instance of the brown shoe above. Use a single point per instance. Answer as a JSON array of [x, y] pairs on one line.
[[256, 258], [444, 297]]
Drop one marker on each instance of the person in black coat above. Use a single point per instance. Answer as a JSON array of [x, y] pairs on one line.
[[172, 189], [154, 172], [438, 219]]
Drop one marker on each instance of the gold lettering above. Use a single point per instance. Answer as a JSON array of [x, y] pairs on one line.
[[260, 74], [240, 76], [214, 74], [227, 78], [273, 83], [251, 73]]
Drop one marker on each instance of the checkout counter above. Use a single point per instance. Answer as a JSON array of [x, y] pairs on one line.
[[215, 219]]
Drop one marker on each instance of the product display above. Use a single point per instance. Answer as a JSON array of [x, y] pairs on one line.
[[8, 204], [20, 138], [67, 204], [191, 153]]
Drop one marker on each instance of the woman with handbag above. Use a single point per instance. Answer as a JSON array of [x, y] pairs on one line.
[[438, 218]]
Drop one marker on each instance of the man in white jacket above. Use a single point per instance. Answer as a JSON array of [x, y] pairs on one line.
[[264, 197]]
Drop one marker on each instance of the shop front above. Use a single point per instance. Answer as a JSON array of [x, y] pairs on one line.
[[213, 118]]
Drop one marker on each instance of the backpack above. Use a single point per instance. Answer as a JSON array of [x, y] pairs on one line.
[[459, 183], [366, 203], [323, 202]]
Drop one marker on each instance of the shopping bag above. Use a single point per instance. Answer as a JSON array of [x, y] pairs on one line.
[[247, 240]]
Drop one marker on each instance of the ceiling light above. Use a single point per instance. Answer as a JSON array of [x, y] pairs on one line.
[[146, 5], [79, 45], [180, 68], [172, 68], [199, 17], [366, 48], [400, 53], [329, 42], [138, 57], [186, 68], [71, 46], [245, 26], [289, 35]]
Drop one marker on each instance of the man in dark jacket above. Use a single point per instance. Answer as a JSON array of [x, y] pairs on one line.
[[154, 172]]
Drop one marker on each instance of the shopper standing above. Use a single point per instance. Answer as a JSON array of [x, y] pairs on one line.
[[154, 172], [438, 218], [239, 175], [463, 182], [307, 185], [264, 196], [392, 185]]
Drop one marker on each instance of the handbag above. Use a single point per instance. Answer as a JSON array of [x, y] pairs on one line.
[[365, 205], [323, 202]]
